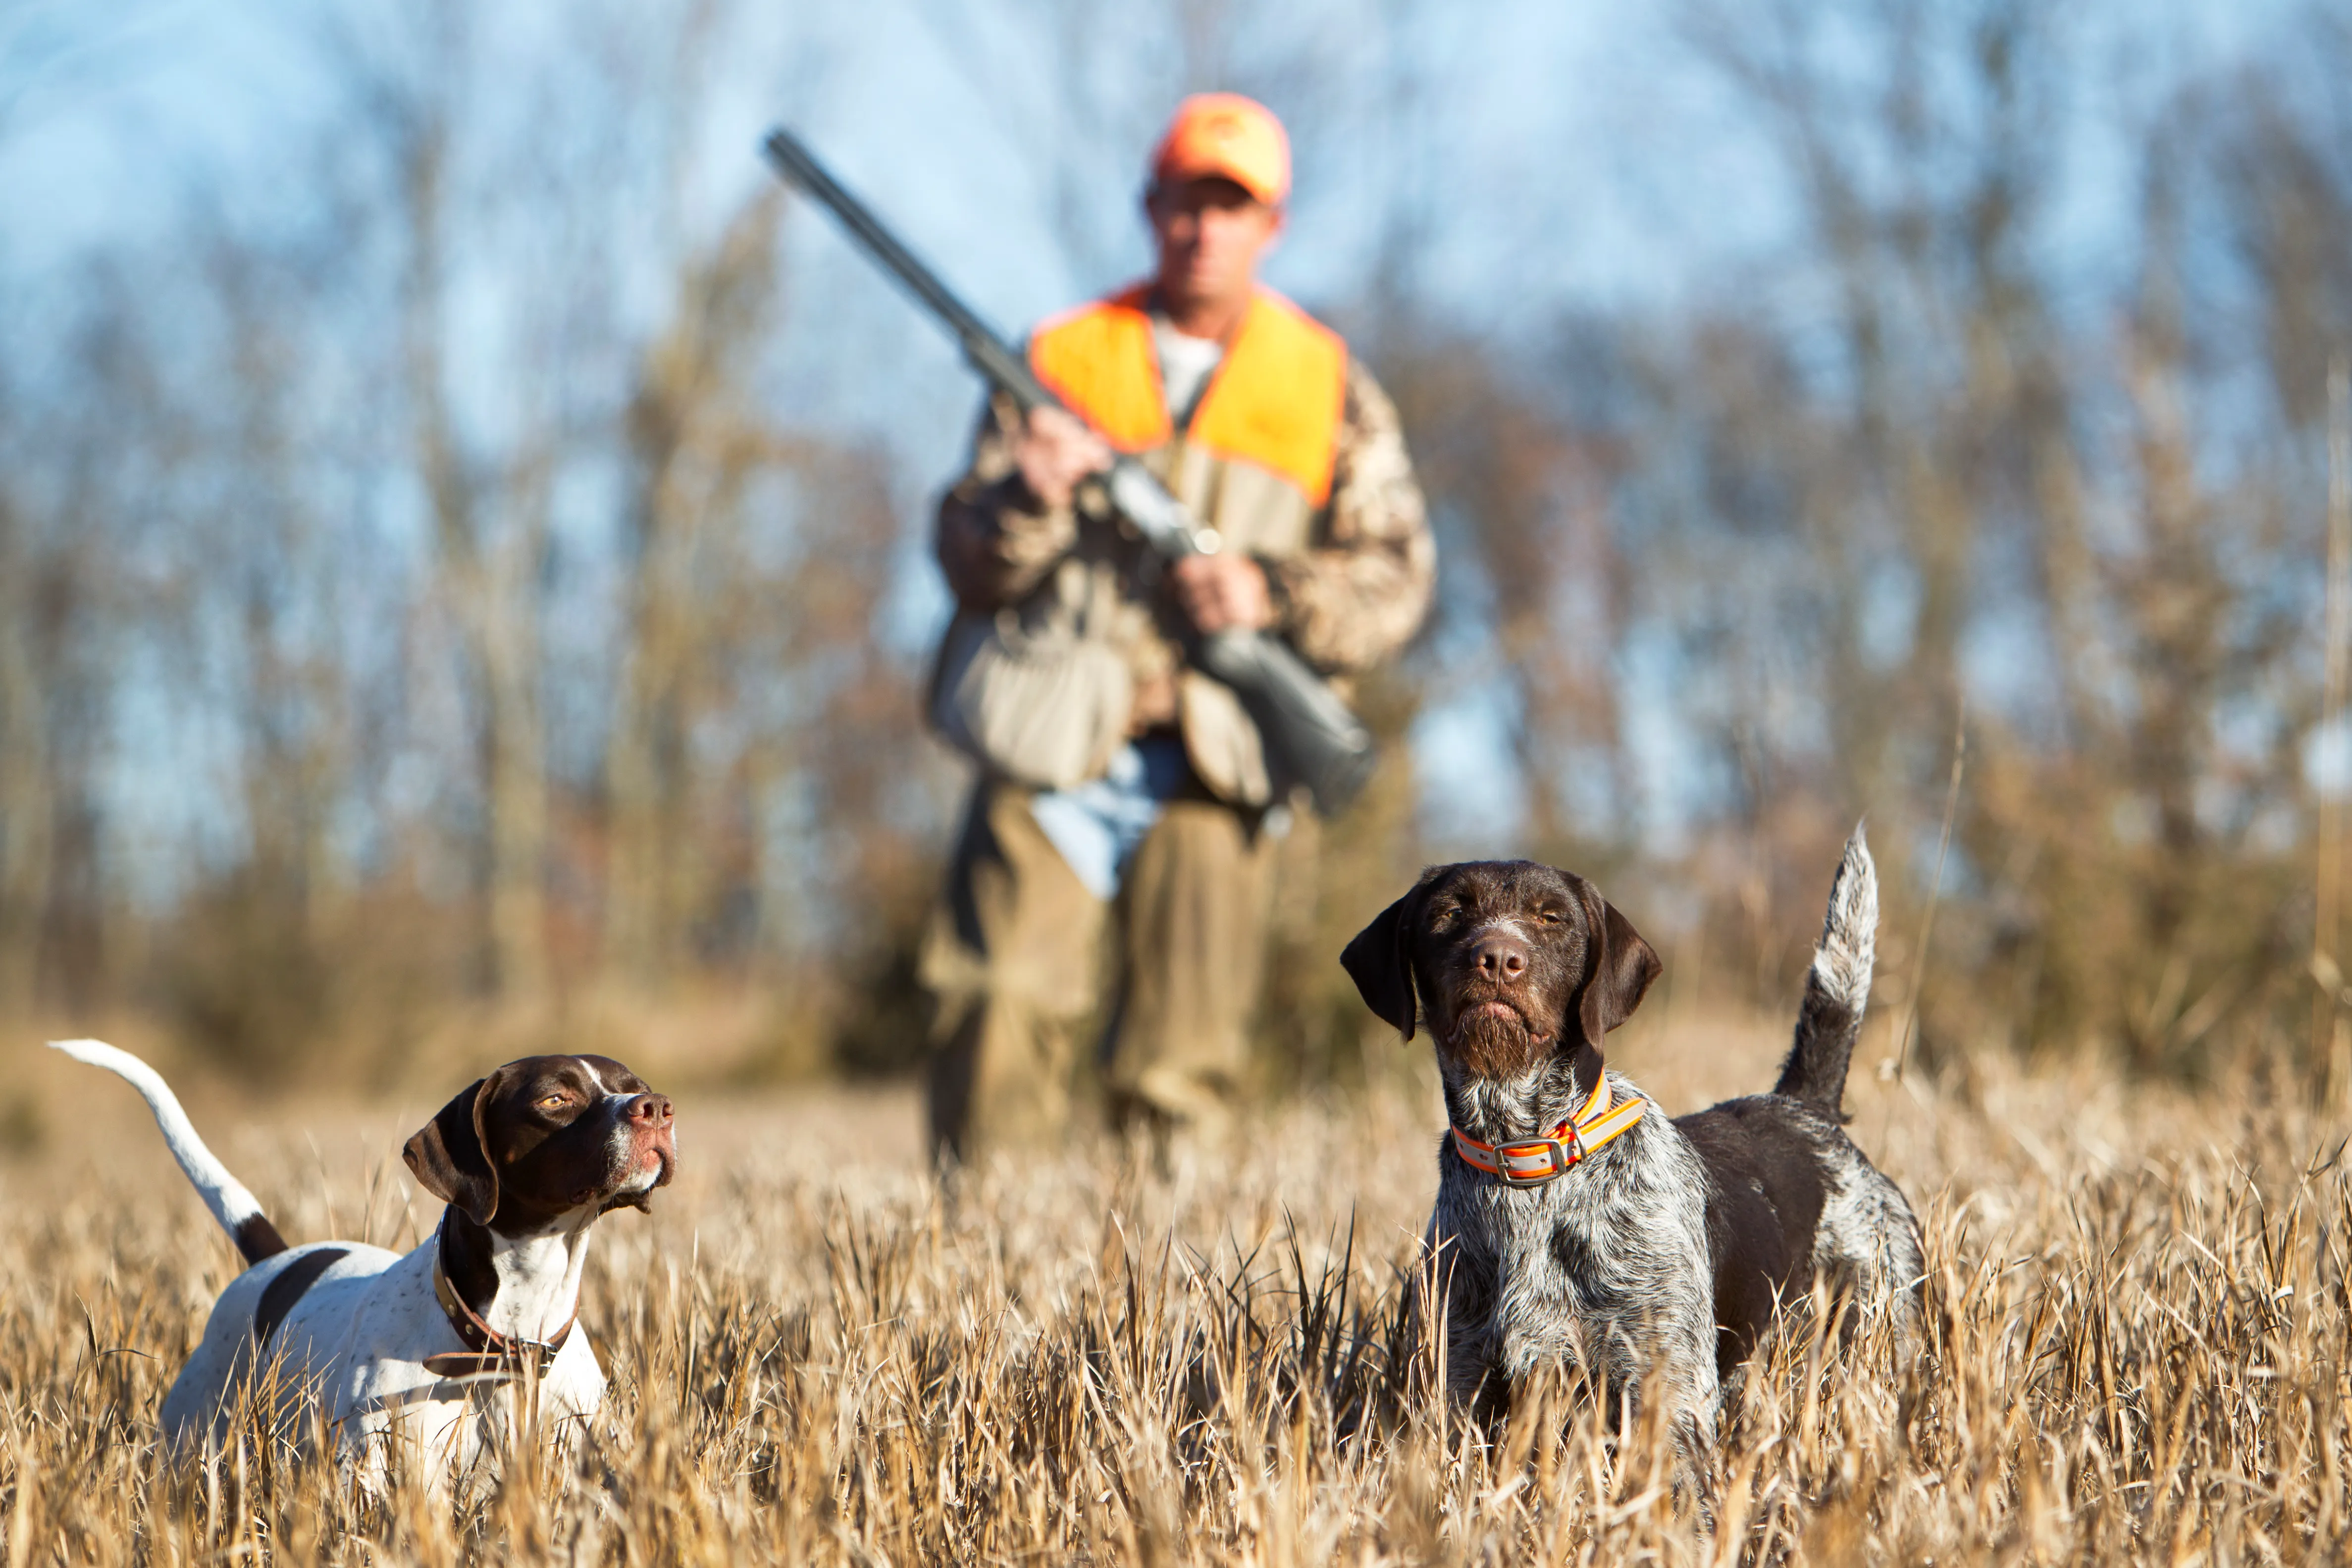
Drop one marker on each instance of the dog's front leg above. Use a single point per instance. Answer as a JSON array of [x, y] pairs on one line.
[[1693, 1398]]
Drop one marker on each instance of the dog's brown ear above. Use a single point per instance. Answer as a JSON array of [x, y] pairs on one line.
[[450, 1154], [1618, 970], [1379, 959]]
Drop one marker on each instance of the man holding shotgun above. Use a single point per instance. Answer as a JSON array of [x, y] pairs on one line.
[[1260, 421]]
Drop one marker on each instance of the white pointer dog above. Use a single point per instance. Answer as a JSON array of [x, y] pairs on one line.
[[399, 1351]]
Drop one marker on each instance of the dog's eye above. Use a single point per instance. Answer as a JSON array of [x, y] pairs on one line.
[[1549, 917], [555, 1101]]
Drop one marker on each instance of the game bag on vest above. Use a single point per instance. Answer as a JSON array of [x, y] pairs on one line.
[[1038, 693]]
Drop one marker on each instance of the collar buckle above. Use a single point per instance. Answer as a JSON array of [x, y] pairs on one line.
[[1557, 1157]]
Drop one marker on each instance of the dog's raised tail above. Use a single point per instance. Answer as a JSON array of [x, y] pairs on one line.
[[231, 1203], [1837, 987]]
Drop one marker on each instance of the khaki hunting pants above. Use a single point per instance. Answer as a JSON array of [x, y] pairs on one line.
[[1013, 955]]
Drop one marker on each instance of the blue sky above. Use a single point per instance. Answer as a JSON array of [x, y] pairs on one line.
[[1570, 155]]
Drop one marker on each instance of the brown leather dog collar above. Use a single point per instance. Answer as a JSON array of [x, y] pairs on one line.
[[487, 1351], [1532, 1162]]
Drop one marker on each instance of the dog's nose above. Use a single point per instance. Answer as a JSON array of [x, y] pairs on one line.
[[654, 1110], [1500, 957]]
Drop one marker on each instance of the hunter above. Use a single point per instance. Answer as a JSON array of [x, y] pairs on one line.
[[1259, 419]]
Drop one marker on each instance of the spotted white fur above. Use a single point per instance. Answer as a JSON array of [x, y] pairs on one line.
[[353, 1344], [1867, 1236]]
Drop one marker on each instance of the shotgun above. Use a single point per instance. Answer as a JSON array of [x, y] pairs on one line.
[[1311, 738]]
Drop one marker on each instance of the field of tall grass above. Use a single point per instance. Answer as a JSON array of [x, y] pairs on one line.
[[2137, 1311]]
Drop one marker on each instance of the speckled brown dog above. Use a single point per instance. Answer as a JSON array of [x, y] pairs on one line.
[[1575, 1227]]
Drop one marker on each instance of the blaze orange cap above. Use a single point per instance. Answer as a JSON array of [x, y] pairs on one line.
[[1225, 134]]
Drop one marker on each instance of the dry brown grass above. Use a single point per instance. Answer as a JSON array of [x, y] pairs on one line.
[[2138, 1299]]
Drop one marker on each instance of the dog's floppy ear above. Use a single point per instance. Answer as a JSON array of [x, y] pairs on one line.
[[1379, 959], [450, 1154], [1618, 967]]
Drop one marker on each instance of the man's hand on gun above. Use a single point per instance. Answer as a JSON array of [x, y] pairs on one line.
[[1056, 450], [1217, 593]]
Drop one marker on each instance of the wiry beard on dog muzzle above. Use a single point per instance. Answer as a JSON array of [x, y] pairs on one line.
[[1494, 1041]]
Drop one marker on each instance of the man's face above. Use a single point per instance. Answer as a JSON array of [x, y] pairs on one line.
[[1211, 232]]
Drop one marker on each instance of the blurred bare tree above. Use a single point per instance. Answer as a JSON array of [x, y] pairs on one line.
[[430, 599], [2058, 503]]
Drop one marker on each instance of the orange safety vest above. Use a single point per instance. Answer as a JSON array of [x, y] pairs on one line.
[[1273, 401]]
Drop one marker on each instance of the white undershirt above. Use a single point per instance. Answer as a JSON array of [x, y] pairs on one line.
[[1185, 365]]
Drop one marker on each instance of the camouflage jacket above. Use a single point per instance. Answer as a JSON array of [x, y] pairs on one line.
[[1348, 599]]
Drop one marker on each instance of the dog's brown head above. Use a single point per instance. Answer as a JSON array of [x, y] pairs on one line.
[[544, 1136], [1511, 961]]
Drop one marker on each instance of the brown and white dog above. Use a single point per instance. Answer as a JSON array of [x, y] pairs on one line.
[[422, 1352], [1577, 1226]]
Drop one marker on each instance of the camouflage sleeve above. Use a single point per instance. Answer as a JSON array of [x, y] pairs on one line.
[[995, 540], [1360, 591]]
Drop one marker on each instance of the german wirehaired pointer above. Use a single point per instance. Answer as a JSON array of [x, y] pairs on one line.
[[1575, 1227], [395, 1349]]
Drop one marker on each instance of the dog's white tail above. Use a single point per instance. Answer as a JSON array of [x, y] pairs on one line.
[[223, 1193], [1837, 987]]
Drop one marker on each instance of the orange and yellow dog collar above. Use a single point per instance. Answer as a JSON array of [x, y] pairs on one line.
[[1532, 1162]]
